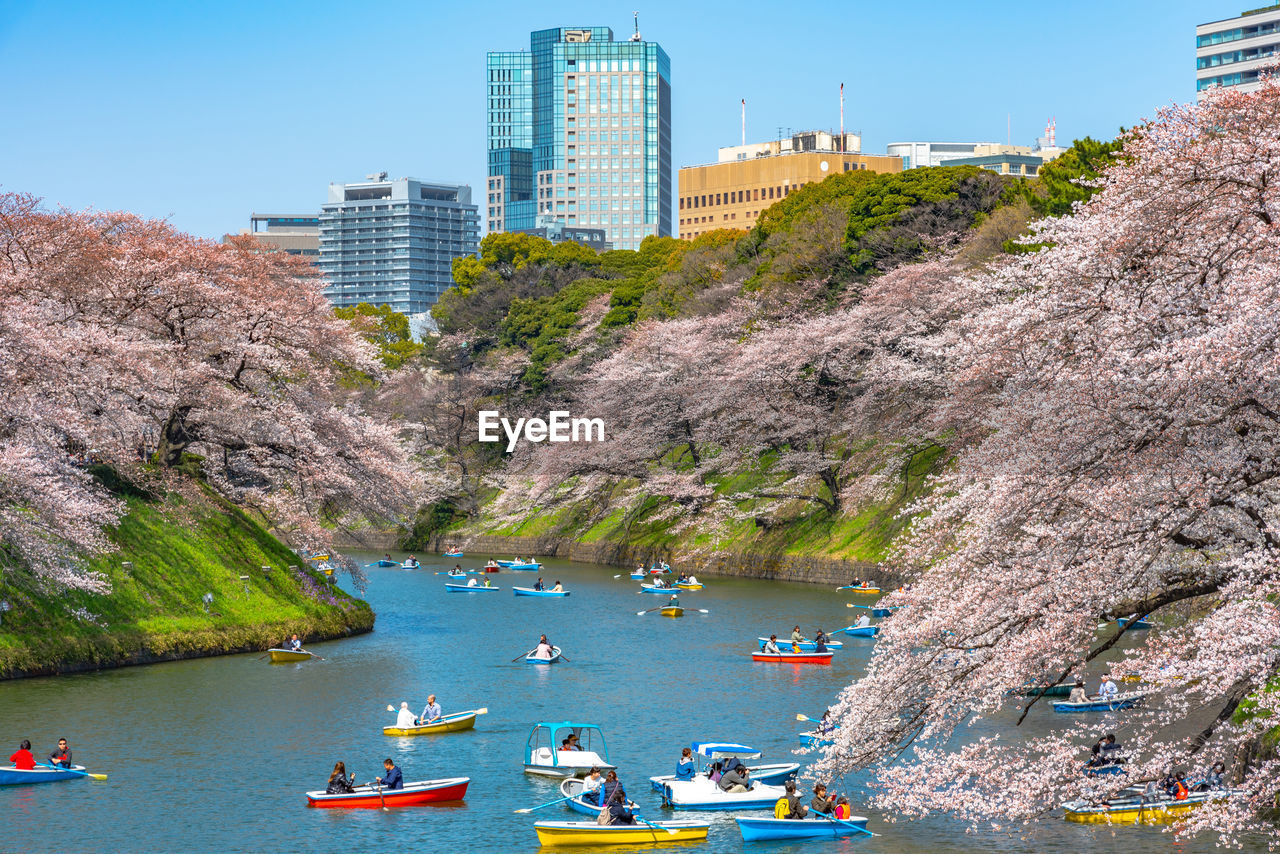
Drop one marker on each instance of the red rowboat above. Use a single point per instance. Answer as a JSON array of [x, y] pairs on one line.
[[793, 657], [421, 792]]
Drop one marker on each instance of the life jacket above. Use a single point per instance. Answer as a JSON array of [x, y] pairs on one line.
[[843, 811], [782, 809], [1180, 794]]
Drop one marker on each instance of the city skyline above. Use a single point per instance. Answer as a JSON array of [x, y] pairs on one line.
[[205, 117]]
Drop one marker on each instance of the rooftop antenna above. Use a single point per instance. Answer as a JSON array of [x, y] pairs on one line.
[[1053, 132], [744, 121], [635, 37], [843, 147]]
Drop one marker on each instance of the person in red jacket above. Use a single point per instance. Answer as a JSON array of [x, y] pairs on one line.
[[23, 760]]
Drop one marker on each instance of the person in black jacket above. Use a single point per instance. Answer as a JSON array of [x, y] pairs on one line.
[[339, 783], [618, 812], [62, 756]]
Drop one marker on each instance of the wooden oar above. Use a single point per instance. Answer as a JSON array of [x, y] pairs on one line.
[[74, 771], [524, 655], [651, 610], [381, 797], [547, 804]]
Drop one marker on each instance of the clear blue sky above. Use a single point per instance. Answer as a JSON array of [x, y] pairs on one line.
[[203, 112]]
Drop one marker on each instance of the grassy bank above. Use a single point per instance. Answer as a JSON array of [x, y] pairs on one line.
[[180, 547]]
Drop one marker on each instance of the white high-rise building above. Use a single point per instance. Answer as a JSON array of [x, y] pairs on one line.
[[1236, 51]]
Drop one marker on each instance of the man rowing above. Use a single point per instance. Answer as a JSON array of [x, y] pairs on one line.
[[431, 712], [543, 650], [1108, 690], [771, 646], [538, 585], [295, 644], [393, 779]]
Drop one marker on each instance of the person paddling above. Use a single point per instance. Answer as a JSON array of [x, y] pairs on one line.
[[538, 585], [62, 755], [544, 649], [771, 646], [432, 711], [394, 779], [295, 644]]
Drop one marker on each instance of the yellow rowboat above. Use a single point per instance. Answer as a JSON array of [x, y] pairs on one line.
[[318, 557], [456, 722], [1137, 810], [282, 655], [685, 585], [590, 833], [673, 611]]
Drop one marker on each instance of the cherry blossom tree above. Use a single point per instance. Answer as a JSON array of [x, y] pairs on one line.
[[1117, 399]]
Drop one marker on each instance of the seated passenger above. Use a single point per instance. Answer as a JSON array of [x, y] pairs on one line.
[[771, 646], [795, 809], [538, 585], [591, 785], [404, 717], [822, 802], [737, 779], [1078, 694], [339, 783], [863, 621], [618, 812], [1108, 690], [686, 768], [843, 810], [558, 588]]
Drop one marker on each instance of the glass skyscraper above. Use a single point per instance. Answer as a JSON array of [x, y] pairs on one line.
[[580, 132], [393, 242]]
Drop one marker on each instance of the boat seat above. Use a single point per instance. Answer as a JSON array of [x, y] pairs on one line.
[[542, 756]]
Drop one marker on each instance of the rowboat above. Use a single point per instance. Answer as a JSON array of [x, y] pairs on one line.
[[860, 631], [672, 611], [590, 833], [1094, 704], [814, 739], [701, 793], [384, 562], [793, 657], [471, 588], [636, 576], [805, 645], [571, 788], [1140, 623], [455, 722], [1138, 809], [689, 585], [1063, 690], [860, 589], [453, 574], [453, 554], [511, 564], [756, 829], [421, 792], [531, 658], [543, 757], [16, 777], [413, 565], [279, 656], [318, 557], [529, 591], [649, 588]]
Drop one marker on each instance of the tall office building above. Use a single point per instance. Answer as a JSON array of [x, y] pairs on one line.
[[394, 241], [580, 130], [1233, 52]]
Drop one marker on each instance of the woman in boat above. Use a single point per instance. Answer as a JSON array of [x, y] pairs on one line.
[[686, 768], [618, 812], [826, 725], [488, 582], [1078, 694], [1212, 778], [23, 759], [544, 649], [771, 646], [412, 562], [822, 802], [558, 588], [591, 785], [613, 789], [339, 782], [796, 637]]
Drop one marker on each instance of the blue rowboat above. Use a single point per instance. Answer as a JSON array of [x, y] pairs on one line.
[[454, 554], [572, 788], [649, 588], [464, 588], [383, 562], [805, 645], [1140, 623], [861, 631], [529, 591], [515, 564], [813, 739], [14, 777], [1121, 701], [525, 567], [756, 829], [637, 576], [533, 659], [1102, 770]]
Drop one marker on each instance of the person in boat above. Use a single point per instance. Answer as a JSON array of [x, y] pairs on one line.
[[544, 649], [863, 622], [488, 582], [618, 812], [843, 810], [1109, 750], [1213, 778], [492, 564], [1078, 694], [827, 724], [294, 644], [431, 711], [822, 802], [686, 768], [404, 717], [538, 585], [591, 785], [613, 788], [735, 779], [819, 645], [796, 637], [658, 582], [471, 582], [412, 561], [61, 755], [339, 783], [559, 588], [457, 569], [674, 601], [1108, 690], [715, 772], [393, 779], [857, 582], [566, 743], [691, 580], [23, 759], [387, 558], [822, 636], [771, 646]]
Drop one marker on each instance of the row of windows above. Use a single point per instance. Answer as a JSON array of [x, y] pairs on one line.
[[738, 197], [1236, 56], [1236, 79], [1267, 29], [723, 218]]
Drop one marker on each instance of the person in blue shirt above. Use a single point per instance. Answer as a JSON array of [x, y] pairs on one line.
[[686, 769], [538, 585], [394, 779]]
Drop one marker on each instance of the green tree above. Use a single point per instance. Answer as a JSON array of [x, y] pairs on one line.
[[385, 328], [1057, 187]]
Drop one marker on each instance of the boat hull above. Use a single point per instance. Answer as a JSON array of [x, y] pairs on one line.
[[449, 723], [637, 576], [649, 588], [868, 590], [756, 829], [813, 739], [805, 646], [283, 656], [420, 792], [14, 777], [684, 585], [1122, 701], [572, 788], [555, 656], [590, 833], [771, 775], [463, 588], [1137, 624], [672, 611], [1051, 691], [454, 554], [862, 631], [702, 794], [570, 763], [793, 657], [384, 563], [529, 591], [1162, 811]]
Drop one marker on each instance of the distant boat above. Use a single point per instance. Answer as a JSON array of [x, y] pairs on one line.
[[805, 645], [529, 591], [534, 659], [649, 588], [456, 722], [815, 739], [471, 588], [689, 585], [861, 631], [279, 656], [1134, 807], [1140, 623], [383, 562], [1097, 704], [816, 827], [543, 757], [20, 777], [672, 611], [420, 792], [793, 657], [860, 589], [564, 833], [454, 554]]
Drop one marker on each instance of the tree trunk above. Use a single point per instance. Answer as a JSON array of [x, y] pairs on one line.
[[174, 437], [833, 487]]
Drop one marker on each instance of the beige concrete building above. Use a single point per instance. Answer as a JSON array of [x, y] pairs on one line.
[[733, 192]]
